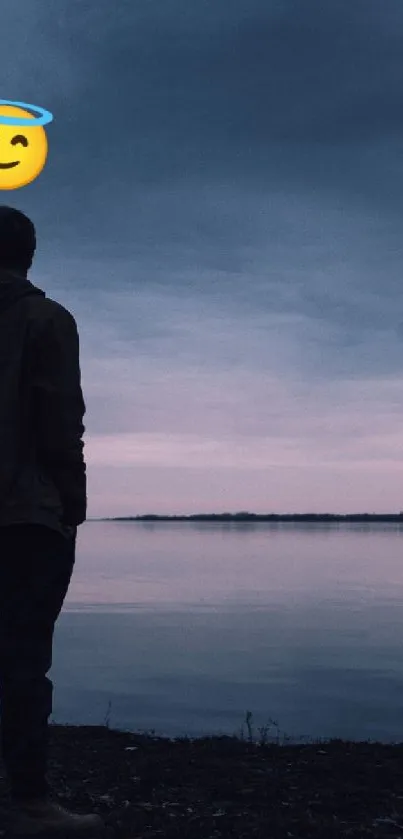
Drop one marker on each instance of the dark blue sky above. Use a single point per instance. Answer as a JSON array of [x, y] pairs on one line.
[[221, 211]]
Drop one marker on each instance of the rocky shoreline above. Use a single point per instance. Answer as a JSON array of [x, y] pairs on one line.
[[212, 787]]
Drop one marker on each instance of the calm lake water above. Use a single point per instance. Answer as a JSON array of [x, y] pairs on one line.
[[184, 627]]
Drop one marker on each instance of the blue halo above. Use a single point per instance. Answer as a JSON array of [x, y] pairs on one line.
[[43, 119]]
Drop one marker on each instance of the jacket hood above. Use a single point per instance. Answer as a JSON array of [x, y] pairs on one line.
[[13, 286]]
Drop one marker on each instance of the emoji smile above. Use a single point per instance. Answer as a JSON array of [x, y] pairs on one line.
[[9, 165]]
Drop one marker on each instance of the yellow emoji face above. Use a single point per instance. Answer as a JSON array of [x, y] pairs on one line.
[[23, 150]]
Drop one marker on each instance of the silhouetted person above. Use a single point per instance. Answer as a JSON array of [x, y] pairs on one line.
[[42, 501]]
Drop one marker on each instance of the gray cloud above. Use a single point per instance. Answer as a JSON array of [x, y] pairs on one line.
[[222, 199]]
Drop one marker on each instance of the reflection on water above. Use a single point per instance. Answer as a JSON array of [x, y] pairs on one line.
[[186, 626]]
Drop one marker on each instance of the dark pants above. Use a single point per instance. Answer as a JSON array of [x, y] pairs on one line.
[[36, 564]]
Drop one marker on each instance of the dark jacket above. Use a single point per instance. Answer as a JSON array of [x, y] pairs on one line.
[[42, 467]]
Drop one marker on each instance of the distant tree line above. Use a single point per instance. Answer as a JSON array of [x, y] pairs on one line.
[[245, 516]]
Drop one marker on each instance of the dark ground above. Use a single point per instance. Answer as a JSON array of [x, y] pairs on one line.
[[215, 787]]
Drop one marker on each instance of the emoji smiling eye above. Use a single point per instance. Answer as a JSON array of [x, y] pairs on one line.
[[19, 138]]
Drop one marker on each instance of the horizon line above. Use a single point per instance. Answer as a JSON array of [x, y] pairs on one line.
[[243, 514]]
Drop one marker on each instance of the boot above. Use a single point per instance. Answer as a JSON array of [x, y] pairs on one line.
[[42, 816]]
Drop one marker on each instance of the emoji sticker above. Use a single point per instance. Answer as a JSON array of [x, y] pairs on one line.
[[23, 143]]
